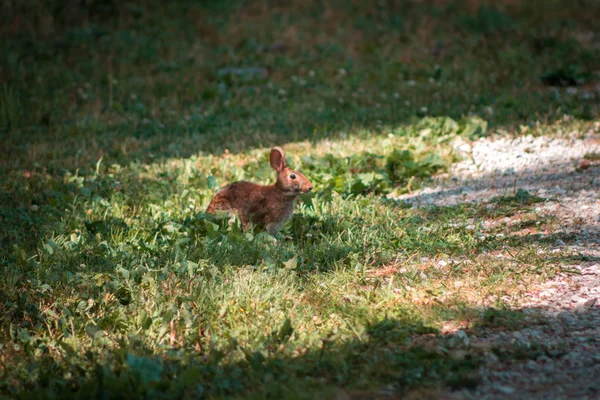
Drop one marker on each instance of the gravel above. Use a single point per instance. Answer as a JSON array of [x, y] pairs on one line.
[[545, 167], [556, 169]]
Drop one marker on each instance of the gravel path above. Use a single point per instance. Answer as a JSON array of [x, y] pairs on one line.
[[557, 169]]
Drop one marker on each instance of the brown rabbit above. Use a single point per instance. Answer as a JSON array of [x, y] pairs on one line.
[[268, 206]]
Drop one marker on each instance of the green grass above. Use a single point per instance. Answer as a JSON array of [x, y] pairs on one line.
[[117, 128]]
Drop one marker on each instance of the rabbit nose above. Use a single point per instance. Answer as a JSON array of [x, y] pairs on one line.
[[309, 188]]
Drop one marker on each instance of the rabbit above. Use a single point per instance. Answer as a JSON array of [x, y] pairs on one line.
[[267, 206]]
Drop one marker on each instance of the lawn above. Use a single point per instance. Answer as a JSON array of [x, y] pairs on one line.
[[120, 121]]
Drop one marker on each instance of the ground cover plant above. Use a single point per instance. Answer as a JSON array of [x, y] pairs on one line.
[[120, 120]]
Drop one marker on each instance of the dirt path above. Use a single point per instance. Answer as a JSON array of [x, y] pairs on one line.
[[564, 170]]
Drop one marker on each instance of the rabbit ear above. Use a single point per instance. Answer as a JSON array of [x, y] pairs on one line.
[[277, 159]]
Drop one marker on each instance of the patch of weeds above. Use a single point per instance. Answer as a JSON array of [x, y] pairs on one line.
[[394, 331], [464, 380], [592, 156], [11, 109], [504, 318], [536, 238], [522, 197], [486, 20], [528, 352], [582, 257], [570, 75]]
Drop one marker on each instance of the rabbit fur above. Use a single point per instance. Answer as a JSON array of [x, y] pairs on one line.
[[268, 206]]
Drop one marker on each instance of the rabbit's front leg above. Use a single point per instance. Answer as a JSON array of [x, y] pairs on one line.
[[245, 219], [273, 228]]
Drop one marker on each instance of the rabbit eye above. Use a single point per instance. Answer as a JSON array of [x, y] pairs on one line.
[[292, 176]]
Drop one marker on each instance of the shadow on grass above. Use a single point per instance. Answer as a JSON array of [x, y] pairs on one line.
[[140, 81], [394, 357], [384, 356]]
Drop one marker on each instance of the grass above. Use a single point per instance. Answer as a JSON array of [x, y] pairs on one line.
[[118, 125]]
